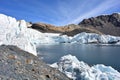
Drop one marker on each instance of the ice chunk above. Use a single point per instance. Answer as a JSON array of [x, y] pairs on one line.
[[78, 70]]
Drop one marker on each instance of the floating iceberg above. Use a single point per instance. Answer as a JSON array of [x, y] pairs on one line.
[[78, 70]]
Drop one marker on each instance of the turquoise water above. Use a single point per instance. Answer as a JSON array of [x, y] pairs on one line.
[[90, 53]]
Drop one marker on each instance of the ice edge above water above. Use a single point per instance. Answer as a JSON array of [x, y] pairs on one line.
[[78, 70]]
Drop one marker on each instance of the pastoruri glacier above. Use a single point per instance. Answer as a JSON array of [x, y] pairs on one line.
[[13, 32]]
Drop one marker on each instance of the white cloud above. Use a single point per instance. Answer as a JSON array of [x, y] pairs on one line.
[[62, 12]]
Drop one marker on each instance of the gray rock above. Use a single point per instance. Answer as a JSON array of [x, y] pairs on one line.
[[16, 64]]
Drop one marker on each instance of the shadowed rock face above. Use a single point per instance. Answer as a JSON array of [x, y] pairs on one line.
[[16, 64], [79, 30], [107, 24]]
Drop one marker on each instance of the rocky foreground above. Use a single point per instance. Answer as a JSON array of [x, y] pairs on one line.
[[16, 64]]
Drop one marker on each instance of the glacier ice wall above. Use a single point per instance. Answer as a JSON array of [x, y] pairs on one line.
[[13, 32], [94, 38]]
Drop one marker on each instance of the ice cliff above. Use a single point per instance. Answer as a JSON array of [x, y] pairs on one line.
[[78, 70], [13, 32]]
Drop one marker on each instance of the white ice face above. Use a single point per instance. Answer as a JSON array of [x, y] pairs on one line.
[[78, 70], [13, 32]]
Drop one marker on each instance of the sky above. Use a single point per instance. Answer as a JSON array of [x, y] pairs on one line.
[[57, 12]]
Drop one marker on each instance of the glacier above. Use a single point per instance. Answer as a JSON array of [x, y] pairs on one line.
[[14, 32], [17, 33], [79, 70]]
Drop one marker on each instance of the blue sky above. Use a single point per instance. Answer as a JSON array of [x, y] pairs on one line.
[[57, 12]]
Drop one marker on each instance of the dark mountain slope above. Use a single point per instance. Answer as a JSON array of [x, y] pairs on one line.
[[104, 24], [69, 30], [107, 24]]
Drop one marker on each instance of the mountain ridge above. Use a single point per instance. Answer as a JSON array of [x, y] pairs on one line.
[[107, 24], [103, 24]]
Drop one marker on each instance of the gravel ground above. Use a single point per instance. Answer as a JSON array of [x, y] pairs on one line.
[[16, 64]]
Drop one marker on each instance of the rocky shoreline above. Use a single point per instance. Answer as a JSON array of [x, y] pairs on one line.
[[16, 64]]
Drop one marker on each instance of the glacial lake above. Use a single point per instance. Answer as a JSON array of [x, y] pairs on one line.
[[91, 54]]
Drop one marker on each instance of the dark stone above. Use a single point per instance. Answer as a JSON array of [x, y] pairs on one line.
[[47, 76]]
